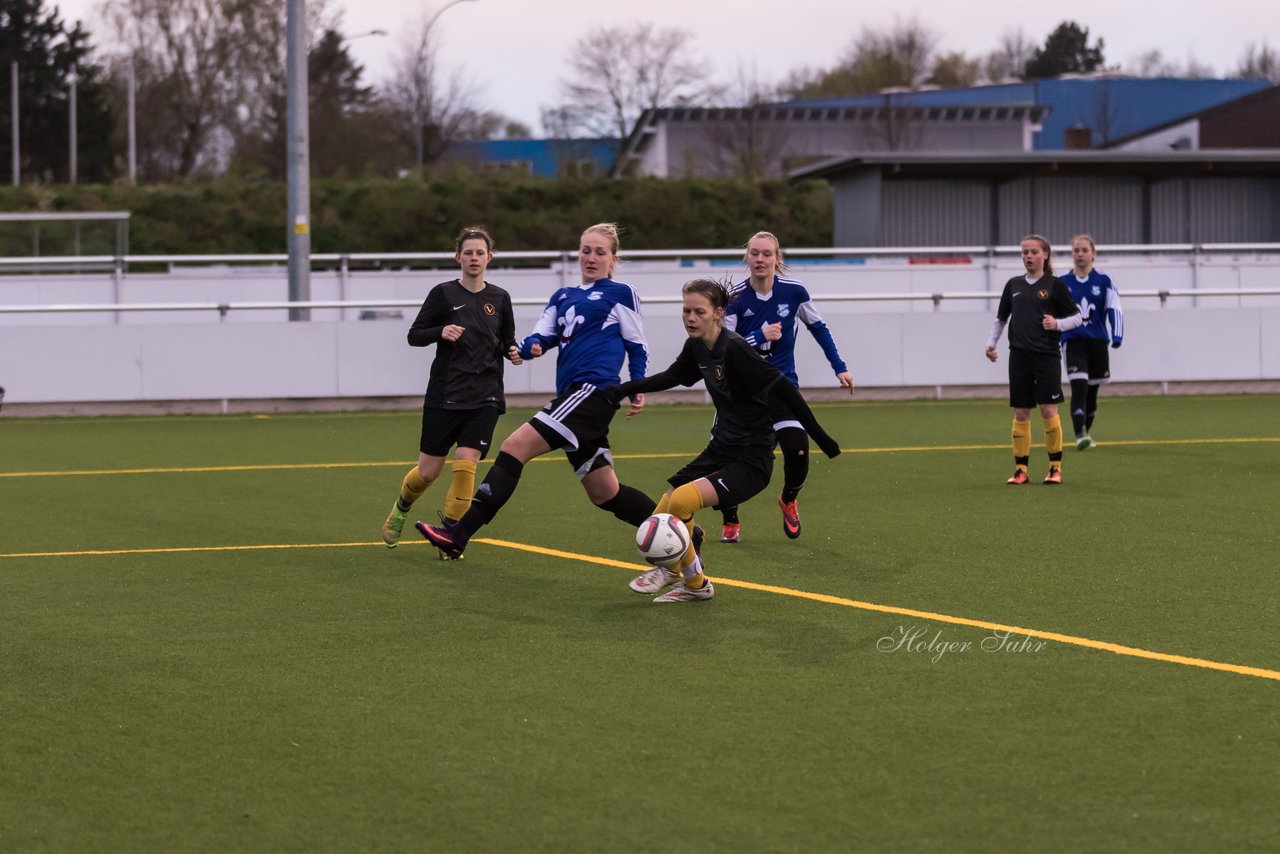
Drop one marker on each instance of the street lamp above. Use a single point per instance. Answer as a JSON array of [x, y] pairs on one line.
[[73, 166], [298, 158], [13, 115], [418, 112]]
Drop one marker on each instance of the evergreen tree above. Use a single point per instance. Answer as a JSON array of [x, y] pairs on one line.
[[47, 54], [1065, 51]]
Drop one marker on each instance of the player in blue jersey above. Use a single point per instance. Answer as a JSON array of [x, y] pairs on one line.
[[595, 325], [767, 309], [1084, 349], [1037, 308]]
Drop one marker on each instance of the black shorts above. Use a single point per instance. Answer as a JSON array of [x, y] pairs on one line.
[[1087, 358], [736, 473], [466, 428], [1034, 378], [578, 421]]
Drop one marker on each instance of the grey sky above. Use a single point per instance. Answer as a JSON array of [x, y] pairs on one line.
[[515, 49]]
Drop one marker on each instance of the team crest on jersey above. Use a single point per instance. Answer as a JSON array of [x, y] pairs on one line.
[[1042, 293], [784, 310], [719, 373], [489, 309], [596, 295], [1097, 291]]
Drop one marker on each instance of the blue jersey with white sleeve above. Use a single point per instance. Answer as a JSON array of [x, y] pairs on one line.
[[594, 326], [1099, 305], [787, 303]]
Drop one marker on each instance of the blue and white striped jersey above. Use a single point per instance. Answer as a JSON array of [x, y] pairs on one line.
[[787, 303], [594, 326], [1099, 304]]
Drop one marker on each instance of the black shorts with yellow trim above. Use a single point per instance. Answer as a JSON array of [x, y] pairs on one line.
[[442, 429], [1035, 378], [736, 472]]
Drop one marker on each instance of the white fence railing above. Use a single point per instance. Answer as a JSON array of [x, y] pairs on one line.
[[223, 309]]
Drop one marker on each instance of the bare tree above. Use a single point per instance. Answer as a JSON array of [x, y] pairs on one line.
[[1260, 62], [747, 142], [1009, 59], [206, 73], [619, 72], [433, 105], [955, 70], [1153, 63], [898, 58]]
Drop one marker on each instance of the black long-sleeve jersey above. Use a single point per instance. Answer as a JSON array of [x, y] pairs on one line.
[[467, 373], [740, 382], [1023, 306]]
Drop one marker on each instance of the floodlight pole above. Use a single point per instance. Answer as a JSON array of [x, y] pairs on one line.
[[71, 99], [133, 124], [418, 97], [299, 166], [13, 102]]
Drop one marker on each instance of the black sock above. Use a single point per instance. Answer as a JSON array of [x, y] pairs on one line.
[[730, 515], [1079, 391], [630, 505], [498, 486], [1091, 408], [795, 461]]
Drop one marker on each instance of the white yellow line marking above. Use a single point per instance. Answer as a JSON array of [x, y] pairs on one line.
[[556, 458], [1071, 640]]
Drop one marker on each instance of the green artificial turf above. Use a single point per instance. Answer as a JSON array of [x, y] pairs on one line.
[[164, 688]]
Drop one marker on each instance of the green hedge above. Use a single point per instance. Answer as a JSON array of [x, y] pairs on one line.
[[414, 215]]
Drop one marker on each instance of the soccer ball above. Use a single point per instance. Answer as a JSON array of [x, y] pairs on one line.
[[662, 539]]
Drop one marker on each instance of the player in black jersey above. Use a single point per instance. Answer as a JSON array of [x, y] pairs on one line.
[[738, 462], [1036, 307], [472, 325]]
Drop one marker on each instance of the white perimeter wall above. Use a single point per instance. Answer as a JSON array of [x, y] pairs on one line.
[[259, 355]]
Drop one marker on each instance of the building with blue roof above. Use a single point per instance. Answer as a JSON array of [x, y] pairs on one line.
[[1037, 115]]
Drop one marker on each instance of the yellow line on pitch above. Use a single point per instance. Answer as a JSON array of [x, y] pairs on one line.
[[1118, 649], [677, 455]]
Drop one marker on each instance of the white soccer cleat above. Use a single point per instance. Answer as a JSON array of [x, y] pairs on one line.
[[1085, 442], [681, 593], [654, 581]]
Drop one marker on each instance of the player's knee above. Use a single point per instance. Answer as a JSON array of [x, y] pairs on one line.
[[685, 501]]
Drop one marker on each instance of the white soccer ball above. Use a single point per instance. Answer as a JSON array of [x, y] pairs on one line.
[[662, 539]]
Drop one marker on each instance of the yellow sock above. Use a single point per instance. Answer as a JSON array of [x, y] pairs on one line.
[[683, 503], [412, 487], [461, 485], [1022, 442], [1053, 438]]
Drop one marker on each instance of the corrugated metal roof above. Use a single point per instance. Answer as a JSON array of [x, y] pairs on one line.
[[1248, 159]]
